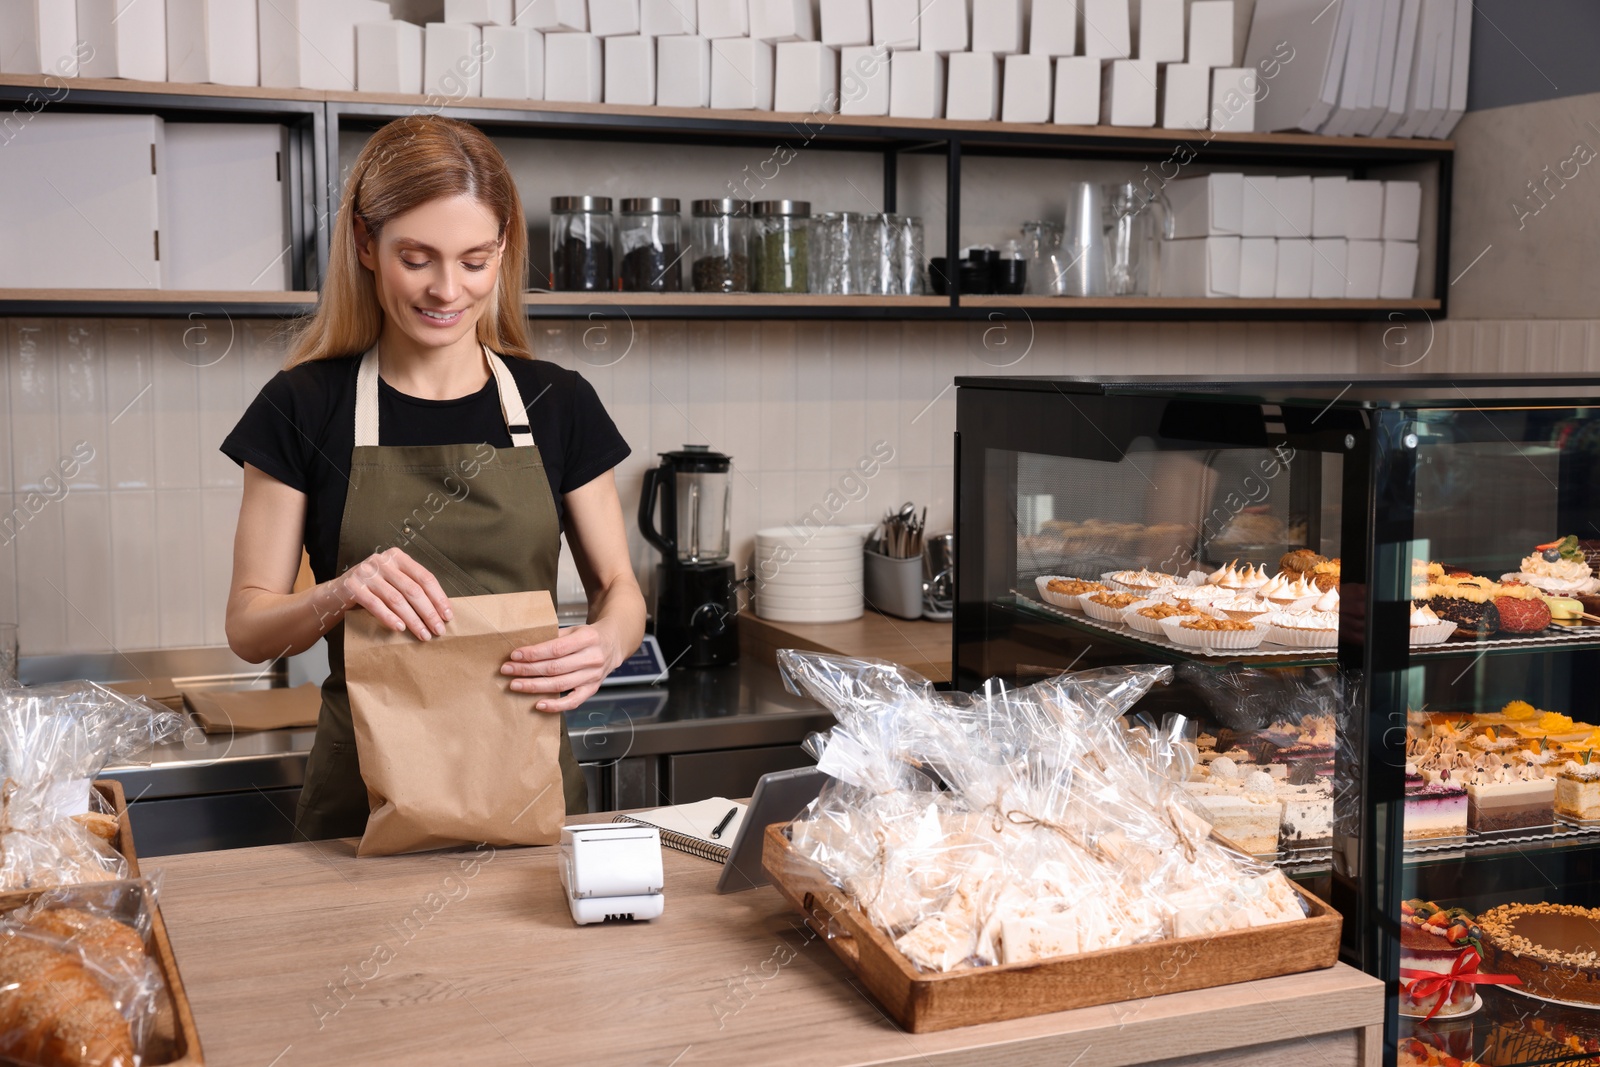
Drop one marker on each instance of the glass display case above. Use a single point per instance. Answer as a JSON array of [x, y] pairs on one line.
[[1380, 605]]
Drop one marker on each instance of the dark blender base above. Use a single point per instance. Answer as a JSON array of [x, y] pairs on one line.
[[696, 618]]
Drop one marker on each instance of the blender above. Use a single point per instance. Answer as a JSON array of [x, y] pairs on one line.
[[696, 610]]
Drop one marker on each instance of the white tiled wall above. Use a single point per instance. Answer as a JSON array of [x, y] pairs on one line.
[[137, 554]]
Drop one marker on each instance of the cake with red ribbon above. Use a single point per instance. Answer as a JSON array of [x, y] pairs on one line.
[[1440, 952]]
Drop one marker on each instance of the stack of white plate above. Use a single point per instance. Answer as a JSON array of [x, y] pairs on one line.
[[807, 575]]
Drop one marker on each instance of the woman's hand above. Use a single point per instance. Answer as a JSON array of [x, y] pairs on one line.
[[578, 661], [400, 593]]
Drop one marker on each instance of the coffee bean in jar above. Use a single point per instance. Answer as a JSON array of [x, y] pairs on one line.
[[581, 241], [719, 238], [651, 238]]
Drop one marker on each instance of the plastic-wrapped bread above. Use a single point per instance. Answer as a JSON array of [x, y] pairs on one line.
[[52, 1010], [1062, 829]]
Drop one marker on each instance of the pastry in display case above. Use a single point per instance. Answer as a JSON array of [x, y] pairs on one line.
[[1383, 617]]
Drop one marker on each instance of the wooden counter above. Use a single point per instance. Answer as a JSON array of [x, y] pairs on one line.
[[923, 646], [302, 954]]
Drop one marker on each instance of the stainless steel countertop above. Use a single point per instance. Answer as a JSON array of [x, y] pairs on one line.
[[696, 710]]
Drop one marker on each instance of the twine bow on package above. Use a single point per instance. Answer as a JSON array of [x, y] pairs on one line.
[[1018, 825], [449, 754]]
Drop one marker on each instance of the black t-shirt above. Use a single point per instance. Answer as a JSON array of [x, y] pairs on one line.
[[300, 429]]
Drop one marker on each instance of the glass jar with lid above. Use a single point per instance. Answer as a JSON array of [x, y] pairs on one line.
[[582, 237], [719, 237], [651, 236], [781, 246]]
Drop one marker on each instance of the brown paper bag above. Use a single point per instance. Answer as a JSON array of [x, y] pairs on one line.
[[224, 711], [450, 755]]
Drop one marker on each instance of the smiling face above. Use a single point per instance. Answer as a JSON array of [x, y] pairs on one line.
[[436, 269]]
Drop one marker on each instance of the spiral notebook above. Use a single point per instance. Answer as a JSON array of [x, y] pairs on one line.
[[687, 827]]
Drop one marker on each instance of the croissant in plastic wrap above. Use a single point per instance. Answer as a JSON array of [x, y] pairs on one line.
[[1017, 825], [53, 741]]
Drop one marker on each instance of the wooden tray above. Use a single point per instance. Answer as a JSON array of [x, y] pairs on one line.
[[175, 1042], [922, 1002]]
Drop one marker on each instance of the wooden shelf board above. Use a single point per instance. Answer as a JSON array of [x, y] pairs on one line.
[[732, 300], [804, 123], [1184, 303], [159, 296]]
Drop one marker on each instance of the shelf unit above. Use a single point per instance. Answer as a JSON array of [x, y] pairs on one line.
[[316, 119]]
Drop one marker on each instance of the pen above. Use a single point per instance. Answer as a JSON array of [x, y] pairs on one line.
[[723, 825]]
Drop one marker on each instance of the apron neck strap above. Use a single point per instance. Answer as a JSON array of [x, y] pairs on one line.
[[511, 406]]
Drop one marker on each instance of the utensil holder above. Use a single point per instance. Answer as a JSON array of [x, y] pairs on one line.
[[893, 586]]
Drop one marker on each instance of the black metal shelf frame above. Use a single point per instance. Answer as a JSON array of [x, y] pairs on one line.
[[315, 127]]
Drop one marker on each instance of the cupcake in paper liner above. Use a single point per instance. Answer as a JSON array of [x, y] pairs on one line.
[[1064, 592], [1147, 615], [1209, 633], [1427, 628], [1307, 629], [1108, 606]]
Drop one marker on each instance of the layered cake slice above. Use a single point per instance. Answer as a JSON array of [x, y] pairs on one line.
[[1578, 790], [1435, 807], [1510, 798], [1247, 812]]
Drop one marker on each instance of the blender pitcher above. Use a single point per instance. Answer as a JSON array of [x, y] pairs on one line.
[[1136, 221], [694, 490]]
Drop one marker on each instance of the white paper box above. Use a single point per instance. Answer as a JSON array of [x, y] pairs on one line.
[[1291, 203], [40, 37], [1363, 210], [1294, 269], [614, 18], [1398, 279], [1128, 93], [1200, 266], [389, 57], [667, 18], [896, 23], [863, 80], [630, 70], [215, 41], [1257, 216], [1207, 206], [776, 21], [128, 39], [916, 85], [1329, 197], [1077, 91], [1052, 28], [1161, 31], [946, 25], [996, 27], [1106, 32], [558, 16], [741, 73], [1363, 269], [724, 18], [807, 77], [1211, 33], [973, 92], [1185, 96], [1233, 99], [1027, 95], [1402, 210], [683, 72], [846, 23], [572, 68], [1258, 266], [1328, 266], [93, 207], [226, 217], [311, 44], [475, 12], [513, 63], [451, 63]]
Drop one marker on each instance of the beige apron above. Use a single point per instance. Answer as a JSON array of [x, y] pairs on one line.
[[481, 519]]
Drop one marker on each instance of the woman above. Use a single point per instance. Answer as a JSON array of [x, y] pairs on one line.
[[418, 452]]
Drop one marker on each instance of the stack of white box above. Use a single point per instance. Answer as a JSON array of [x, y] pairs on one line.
[[1291, 237]]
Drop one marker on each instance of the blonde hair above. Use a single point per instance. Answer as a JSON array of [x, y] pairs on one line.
[[406, 164]]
